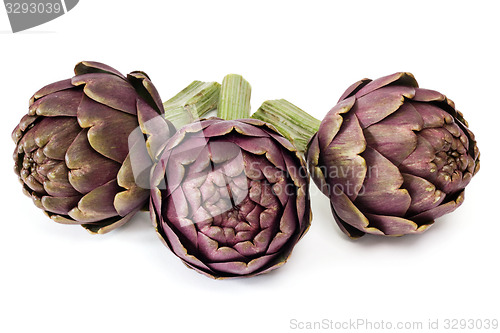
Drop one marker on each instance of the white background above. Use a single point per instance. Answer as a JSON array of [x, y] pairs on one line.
[[59, 278]]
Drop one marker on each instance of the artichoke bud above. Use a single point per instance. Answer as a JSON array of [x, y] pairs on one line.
[[392, 157], [230, 196], [75, 147]]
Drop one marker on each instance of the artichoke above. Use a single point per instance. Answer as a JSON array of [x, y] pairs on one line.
[[392, 157], [230, 197], [72, 148]]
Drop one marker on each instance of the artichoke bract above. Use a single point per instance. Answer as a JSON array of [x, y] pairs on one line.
[[72, 148], [230, 197], [392, 157]]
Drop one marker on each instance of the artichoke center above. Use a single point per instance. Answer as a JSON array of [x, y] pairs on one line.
[[450, 161], [33, 169], [232, 226], [237, 211]]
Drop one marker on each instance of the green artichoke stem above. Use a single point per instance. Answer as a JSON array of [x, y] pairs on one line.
[[292, 122], [192, 103], [234, 101]]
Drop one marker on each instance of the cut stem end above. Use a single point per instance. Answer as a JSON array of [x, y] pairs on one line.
[[292, 122], [192, 103], [234, 101]]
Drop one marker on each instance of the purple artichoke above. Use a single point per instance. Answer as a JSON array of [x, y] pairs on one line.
[[230, 197], [392, 157], [72, 148]]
